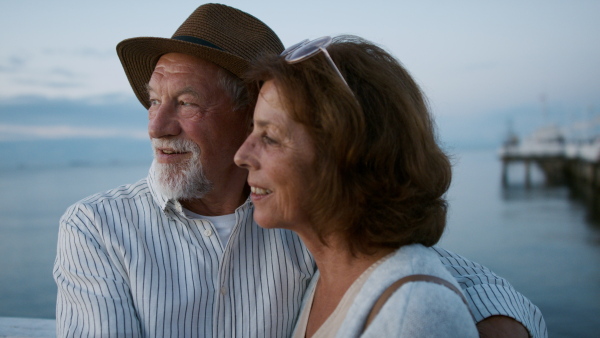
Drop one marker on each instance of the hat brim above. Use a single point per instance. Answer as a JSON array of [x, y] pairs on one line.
[[140, 55]]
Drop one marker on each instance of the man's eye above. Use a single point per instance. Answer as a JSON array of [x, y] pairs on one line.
[[153, 102]]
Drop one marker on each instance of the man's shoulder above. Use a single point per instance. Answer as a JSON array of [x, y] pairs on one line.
[[455, 261], [120, 194]]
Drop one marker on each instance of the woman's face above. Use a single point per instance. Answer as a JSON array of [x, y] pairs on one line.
[[279, 155]]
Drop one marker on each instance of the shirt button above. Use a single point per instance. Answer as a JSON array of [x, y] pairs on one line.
[[208, 232], [223, 291]]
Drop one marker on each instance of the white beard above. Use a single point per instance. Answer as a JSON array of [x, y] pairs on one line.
[[181, 181]]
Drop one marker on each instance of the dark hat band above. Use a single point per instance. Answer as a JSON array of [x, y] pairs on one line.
[[197, 41]]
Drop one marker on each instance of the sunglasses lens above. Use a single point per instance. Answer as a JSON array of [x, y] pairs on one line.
[[307, 50], [293, 47], [304, 50]]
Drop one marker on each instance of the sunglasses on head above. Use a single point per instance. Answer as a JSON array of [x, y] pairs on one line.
[[306, 49]]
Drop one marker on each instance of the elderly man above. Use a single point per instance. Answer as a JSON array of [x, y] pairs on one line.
[[178, 254]]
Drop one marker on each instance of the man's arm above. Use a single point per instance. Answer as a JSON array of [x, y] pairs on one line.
[[495, 304], [501, 326], [93, 297]]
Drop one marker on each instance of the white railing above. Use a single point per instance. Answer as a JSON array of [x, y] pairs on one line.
[[27, 327]]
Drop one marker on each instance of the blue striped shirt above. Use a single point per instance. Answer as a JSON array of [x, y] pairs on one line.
[[130, 263], [489, 295]]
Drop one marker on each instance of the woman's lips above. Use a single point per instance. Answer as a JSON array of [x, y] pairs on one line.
[[259, 193]]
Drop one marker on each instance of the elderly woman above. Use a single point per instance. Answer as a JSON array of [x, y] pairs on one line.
[[345, 155]]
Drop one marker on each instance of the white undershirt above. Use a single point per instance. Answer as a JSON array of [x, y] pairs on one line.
[[223, 224]]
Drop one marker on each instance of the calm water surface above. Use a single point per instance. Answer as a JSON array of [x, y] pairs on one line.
[[540, 239]]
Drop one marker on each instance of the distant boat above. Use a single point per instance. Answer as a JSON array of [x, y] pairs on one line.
[[588, 151], [562, 159], [547, 141]]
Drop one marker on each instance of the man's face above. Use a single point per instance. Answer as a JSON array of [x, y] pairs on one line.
[[194, 131]]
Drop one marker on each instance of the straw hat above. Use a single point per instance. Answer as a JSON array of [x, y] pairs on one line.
[[221, 34]]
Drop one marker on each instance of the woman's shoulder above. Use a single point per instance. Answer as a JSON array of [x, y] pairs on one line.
[[415, 305], [414, 259], [417, 302], [413, 308]]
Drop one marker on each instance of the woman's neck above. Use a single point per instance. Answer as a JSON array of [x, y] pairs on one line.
[[336, 262], [338, 269]]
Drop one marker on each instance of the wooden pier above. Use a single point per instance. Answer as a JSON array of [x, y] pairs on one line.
[[553, 167], [561, 162]]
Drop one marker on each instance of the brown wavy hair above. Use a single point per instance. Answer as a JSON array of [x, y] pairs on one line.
[[380, 177]]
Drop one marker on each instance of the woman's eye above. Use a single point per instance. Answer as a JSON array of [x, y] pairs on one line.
[[268, 140], [153, 102]]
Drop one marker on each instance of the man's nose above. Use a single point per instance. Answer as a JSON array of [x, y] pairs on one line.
[[163, 122]]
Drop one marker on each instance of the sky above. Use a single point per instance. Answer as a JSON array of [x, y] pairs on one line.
[[474, 59]]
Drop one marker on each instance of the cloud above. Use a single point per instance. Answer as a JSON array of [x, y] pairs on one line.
[[67, 73], [63, 72], [25, 73], [56, 78], [12, 132], [52, 84], [12, 64], [84, 52], [95, 53]]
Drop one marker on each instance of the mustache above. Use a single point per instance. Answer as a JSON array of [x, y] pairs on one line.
[[177, 144]]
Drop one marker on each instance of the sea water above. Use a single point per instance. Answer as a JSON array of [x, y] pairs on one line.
[[540, 239], [32, 200]]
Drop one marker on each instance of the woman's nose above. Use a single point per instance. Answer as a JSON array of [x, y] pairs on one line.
[[245, 157]]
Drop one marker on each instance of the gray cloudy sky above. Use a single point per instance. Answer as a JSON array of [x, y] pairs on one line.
[[472, 58]]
